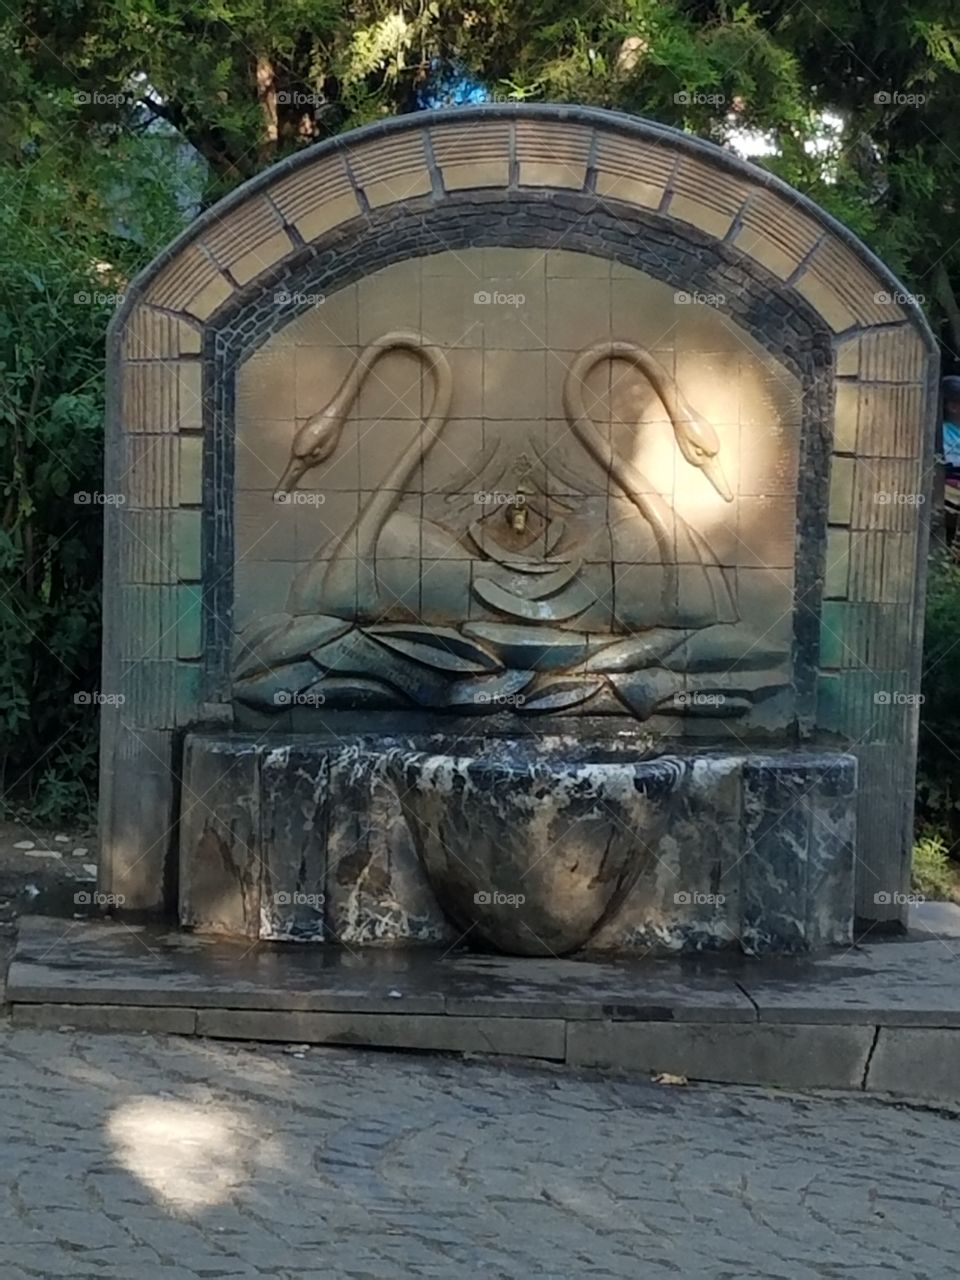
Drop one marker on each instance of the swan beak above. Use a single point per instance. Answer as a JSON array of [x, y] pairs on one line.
[[296, 468], [714, 472]]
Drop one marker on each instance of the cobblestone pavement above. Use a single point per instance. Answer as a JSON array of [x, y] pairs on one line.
[[164, 1159]]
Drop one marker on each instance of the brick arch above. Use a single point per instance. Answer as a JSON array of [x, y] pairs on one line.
[[877, 430], [509, 148]]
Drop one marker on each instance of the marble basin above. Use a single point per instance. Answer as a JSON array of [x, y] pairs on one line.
[[531, 844], [524, 844]]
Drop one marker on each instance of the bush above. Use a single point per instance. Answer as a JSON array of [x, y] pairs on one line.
[[933, 874], [938, 766], [51, 408], [63, 266]]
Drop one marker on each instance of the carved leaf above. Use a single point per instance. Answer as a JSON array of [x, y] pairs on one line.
[[635, 652], [708, 705], [275, 690], [256, 632], [353, 693], [292, 640], [441, 647], [641, 691], [488, 695], [558, 694], [358, 655], [533, 648], [724, 647]]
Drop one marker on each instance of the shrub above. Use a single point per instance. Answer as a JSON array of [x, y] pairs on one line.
[[933, 874], [63, 266], [938, 766]]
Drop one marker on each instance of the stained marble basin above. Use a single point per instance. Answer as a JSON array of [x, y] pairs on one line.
[[536, 844], [531, 844]]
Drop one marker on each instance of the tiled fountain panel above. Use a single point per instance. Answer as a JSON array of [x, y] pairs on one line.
[[538, 846], [628, 540], [515, 421]]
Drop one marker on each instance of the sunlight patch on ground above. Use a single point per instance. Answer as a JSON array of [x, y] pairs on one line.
[[188, 1155]]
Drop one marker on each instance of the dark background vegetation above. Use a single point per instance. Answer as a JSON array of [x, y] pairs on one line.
[[121, 119]]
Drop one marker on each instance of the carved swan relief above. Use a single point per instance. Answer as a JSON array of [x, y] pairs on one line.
[[372, 621]]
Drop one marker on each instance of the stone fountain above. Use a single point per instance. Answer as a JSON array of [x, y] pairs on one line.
[[507, 556]]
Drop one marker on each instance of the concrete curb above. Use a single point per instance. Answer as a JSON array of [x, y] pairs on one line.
[[913, 1062]]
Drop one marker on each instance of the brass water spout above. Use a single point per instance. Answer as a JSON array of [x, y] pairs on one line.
[[517, 510]]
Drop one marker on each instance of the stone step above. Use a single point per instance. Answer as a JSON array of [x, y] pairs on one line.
[[881, 1016]]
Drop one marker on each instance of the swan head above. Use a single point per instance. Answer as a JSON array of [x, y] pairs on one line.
[[699, 444], [319, 436], [313, 444]]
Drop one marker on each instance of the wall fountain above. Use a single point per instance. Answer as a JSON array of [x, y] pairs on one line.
[[507, 556]]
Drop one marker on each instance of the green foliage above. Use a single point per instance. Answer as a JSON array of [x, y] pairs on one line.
[[119, 117], [62, 271], [938, 777], [247, 81], [933, 875]]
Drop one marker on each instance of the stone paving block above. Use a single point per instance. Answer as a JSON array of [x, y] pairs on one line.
[[526, 1037], [798, 1057], [344, 1164], [920, 1062]]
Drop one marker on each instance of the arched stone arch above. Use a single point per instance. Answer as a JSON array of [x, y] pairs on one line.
[[600, 183]]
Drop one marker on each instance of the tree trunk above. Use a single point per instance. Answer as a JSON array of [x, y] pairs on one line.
[[267, 97]]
